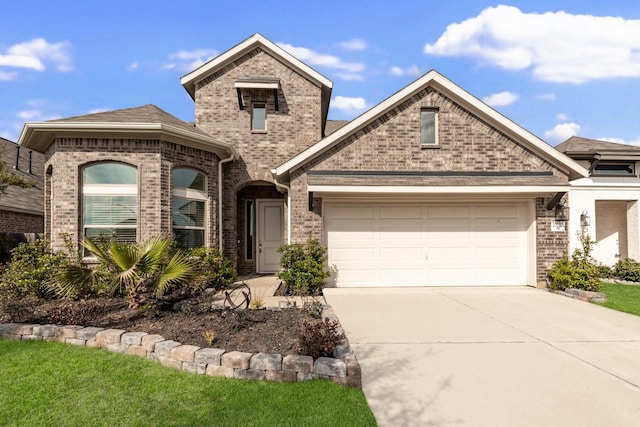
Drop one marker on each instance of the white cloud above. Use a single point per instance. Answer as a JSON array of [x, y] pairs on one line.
[[413, 70], [186, 60], [133, 66], [561, 117], [562, 132], [353, 44], [7, 76], [349, 105], [555, 46], [350, 77], [324, 60], [36, 54], [546, 97], [501, 99]]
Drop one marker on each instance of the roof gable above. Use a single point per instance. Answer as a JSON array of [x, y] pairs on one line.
[[458, 95], [190, 80], [578, 145], [31, 169]]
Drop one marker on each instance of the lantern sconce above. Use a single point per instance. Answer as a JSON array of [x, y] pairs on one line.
[[562, 212], [585, 219]]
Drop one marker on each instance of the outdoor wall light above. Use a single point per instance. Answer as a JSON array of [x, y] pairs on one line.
[[562, 212], [585, 219]]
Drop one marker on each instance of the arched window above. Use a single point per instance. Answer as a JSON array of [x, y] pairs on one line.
[[189, 207], [110, 201]]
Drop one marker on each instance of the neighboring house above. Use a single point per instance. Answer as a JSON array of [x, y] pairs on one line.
[[21, 209], [605, 204], [429, 187]]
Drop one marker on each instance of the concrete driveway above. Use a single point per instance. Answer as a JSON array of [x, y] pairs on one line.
[[492, 357]]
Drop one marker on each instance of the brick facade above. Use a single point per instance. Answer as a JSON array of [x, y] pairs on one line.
[[17, 222], [154, 160]]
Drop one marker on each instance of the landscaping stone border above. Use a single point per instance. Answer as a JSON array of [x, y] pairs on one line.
[[344, 369], [589, 296]]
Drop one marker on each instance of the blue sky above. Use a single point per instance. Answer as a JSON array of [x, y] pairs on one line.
[[557, 68]]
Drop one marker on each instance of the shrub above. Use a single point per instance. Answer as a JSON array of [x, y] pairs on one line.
[[303, 267], [319, 338], [627, 269], [605, 271], [579, 272], [32, 269], [211, 268]]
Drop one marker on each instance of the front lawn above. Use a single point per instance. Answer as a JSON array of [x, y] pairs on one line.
[[622, 297], [47, 383]]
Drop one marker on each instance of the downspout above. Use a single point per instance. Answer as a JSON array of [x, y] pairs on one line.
[[288, 189], [220, 188]]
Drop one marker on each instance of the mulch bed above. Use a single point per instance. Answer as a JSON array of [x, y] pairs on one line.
[[253, 331]]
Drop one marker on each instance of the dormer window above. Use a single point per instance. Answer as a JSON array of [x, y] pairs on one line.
[[259, 117], [614, 169]]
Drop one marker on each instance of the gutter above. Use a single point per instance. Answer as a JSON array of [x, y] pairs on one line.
[[288, 190], [220, 187]]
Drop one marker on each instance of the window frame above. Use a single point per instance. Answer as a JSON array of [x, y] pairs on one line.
[[109, 191], [195, 195], [255, 105], [612, 172], [436, 140], [249, 230]]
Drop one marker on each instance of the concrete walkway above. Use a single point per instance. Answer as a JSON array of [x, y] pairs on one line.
[[492, 357]]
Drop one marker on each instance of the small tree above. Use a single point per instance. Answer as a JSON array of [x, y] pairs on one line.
[[303, 267], [580, 272]]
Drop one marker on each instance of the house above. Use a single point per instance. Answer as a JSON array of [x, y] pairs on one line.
[[21, 209], [605, 204], [429, 187]]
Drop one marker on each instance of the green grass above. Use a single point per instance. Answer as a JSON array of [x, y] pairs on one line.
[[48, 383], [622, 297]]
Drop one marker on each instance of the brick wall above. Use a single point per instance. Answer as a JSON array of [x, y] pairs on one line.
[[154, 159], [550, 245], [15, 222]]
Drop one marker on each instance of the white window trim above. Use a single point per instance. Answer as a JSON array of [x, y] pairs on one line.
[[195, 195]]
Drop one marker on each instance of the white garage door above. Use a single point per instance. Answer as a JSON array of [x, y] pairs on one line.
[[427, 244]]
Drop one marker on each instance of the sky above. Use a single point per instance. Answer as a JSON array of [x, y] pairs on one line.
[[557, 68]]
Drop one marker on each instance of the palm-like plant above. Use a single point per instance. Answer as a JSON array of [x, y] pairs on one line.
[[131, 268]]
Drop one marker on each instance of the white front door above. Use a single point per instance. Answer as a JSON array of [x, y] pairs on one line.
[[270, 234]]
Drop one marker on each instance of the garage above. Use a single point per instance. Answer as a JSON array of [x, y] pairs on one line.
[[428, 244]]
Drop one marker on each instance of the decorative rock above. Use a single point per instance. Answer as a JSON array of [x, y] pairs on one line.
[[281, 376], [149, 341], [219, 371], [347, 381], [20, 329], [305, 376], [194, 368], [92, 343], [353, 367], [109, 336], [249, 374], [64, 332], [117, 347], [137, 350], [132, 338], [7, 328], [75, 341], [32, 338], [208, 356], [170, 363], [342, 350], [184, 353], [88, 333], [236, 359], [163, 348], [264, 362], [330, 367], [45, 330], [298, 363]]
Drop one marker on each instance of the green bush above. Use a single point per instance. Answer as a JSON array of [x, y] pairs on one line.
[[627, 269], [605, 271], [303, 267], [211, 268], [32, 269], [578, 272]]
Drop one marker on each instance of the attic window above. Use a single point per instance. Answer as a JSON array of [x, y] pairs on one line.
[[614, 169], [265, 83], [429, 127]]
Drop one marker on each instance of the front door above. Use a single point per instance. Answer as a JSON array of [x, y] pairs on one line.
[[270, 234]]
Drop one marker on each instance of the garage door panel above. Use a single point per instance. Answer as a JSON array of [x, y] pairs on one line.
[[428, 244]]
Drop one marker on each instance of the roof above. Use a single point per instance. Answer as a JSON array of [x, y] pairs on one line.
[[334, 125], [459, 95], [577, 145], [147, 121], [24, 200], [190, 80]]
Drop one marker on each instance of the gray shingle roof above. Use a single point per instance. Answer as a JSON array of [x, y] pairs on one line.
[[576, 144], [29, 200], [334, 125], [145, 114]]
